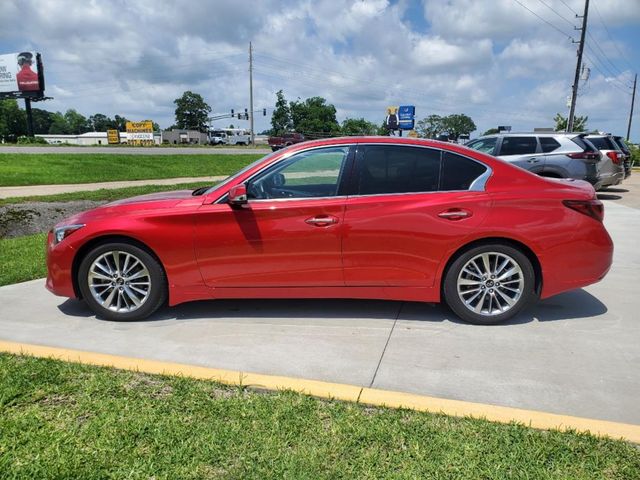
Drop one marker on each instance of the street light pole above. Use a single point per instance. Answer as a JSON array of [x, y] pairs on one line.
[[251, 93]]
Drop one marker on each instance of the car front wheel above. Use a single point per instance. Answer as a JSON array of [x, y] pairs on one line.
[[121, 281], [489, 284]]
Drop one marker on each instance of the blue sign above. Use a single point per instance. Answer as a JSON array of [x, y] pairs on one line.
[[406, 117]]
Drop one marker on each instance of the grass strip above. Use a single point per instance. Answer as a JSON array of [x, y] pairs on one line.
[[64, 420], [60, 168], [22, 259], [106, 194]]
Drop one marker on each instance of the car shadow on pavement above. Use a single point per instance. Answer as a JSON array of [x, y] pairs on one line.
[[566, 306], [613, 190], [605, 196]]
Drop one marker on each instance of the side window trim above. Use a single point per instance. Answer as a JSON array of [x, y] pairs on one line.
[[342, 178], [478, 185]]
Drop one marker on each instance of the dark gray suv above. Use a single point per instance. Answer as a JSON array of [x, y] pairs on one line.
[[549, 154]]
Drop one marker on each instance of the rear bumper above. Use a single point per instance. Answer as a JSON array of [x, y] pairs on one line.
[[583, 261]]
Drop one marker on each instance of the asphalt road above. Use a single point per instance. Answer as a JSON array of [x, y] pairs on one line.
[[575, 354], [137, 150]]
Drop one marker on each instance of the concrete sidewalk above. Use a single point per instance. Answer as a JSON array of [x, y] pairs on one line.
[[573, 354], [35, 190]]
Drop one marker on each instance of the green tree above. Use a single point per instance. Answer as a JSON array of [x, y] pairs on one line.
[[314, 117], [77, 122], [120, 123], [358, 126], [281, 116], [430, 126], [458, 124], [383, 131], [59, 125], [192, 112], [579, 123], [491, 131], [101, 123], [41, 120], [13, 120]]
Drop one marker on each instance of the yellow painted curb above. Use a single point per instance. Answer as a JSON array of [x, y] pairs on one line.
[[352, 393]]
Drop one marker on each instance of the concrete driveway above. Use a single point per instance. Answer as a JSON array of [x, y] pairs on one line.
[[575, 354]]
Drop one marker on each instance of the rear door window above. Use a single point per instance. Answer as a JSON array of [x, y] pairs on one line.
[[518, 145], [397, 169], [549, 144], [458, 172]]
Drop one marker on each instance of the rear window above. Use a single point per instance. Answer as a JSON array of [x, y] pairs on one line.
[[458, 172], [587, 146], [549, 144], [518, 145], [602, 143], [623, 146]]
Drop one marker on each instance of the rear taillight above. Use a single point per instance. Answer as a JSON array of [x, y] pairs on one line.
[[614, 157], [584, 155], [591, 208]]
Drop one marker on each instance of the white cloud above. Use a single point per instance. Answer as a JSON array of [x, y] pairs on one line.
[[492, 59]]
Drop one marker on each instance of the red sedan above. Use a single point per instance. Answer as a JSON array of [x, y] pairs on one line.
[[361, 217]]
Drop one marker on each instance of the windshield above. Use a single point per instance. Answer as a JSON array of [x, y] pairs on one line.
[[484, 145], [234, 175]]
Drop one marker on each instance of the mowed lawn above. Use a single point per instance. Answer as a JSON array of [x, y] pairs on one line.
[[64, 420], [22, 259], [59, 168]]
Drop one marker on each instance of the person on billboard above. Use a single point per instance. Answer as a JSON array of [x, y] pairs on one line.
[[27, 78]]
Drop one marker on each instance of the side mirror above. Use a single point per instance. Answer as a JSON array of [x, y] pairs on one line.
[[238, 195]]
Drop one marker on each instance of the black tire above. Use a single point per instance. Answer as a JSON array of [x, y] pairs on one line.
[[156, 293], [499, 251]]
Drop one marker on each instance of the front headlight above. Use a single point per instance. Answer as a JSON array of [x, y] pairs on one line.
[[60, 233]]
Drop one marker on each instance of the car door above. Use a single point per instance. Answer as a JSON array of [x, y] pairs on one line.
[[522, 151], [289, 232], [408, 206]]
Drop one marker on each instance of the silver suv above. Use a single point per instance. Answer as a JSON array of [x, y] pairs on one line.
[[549, 154], [612, 170]]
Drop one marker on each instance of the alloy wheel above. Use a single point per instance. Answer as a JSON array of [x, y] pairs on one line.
[[490, 284], [119, 281]]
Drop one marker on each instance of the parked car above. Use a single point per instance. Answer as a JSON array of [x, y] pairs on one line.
[[276, 143], [548, 154], [627, 154], [359, 217], [612, 169]]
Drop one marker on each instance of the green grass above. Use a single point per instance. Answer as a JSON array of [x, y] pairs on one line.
[[60, 168], [106, 194], [22, 259], [63, 420]]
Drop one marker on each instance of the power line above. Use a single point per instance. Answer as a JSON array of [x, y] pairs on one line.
[[565, 4], [544, 20], [615, 45], [556, 13]]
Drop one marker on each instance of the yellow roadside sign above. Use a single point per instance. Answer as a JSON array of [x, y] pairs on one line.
[[113, 137], [140, 133]]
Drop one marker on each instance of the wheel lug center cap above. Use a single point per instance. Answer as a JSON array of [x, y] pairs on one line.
[[489, 283]]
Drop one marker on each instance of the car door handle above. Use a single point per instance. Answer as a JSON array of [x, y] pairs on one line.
[[322, 220], [533, 160], [455, 214]]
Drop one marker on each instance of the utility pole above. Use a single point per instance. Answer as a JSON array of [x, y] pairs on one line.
[[576, 81], [251, 93], [633, 99]]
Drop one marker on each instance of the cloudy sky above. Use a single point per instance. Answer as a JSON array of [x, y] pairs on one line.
[[503, 62]]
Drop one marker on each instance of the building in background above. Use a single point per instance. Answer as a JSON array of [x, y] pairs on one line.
[[176, 136]]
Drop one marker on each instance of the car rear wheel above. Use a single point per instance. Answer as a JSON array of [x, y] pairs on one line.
[[120, 281], [489, 284]]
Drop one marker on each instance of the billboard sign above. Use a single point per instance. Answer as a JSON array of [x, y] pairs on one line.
[[406, 117], [113, 137], [21, 73], [140, 133]]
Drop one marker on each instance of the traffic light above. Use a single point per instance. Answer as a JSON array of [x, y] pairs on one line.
[[232, 113], [264, 112]]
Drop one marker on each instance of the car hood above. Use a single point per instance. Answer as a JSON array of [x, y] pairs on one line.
[[167, 199], [142, 203]]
